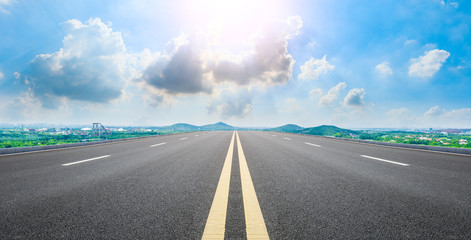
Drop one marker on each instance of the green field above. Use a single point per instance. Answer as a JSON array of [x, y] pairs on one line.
[[10, 138], [407, 137]]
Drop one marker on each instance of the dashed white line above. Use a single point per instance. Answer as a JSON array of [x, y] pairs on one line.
[[287, 138], [183, 138], [86, 160], [384, 160], [274, 135], [158, 144], [312, 144], [197, 135]]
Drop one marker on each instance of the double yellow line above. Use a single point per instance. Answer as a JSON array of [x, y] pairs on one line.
[[254, 223]]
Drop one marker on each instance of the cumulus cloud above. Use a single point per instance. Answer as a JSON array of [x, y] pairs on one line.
[[191, 66], [91, 66], [355, 97], [427, 65], [332, 95], [315, 67], [231, 103], [268, 62], [434, 112], [463, 114], [180, 73], [384, 69], [458, 118]]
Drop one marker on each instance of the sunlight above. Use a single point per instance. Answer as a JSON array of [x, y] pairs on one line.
[[229, 22]]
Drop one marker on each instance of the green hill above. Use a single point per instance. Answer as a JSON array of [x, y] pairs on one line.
[[220, 126], [328, 130], [290, 128]]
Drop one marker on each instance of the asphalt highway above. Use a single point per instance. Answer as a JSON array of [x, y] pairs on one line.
[[235, 186]]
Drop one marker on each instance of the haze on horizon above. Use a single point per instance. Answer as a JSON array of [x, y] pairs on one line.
[[247, 63]]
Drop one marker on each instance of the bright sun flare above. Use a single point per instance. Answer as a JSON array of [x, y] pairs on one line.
[[230, 19]]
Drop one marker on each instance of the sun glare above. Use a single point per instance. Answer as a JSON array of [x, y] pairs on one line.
[[229, 22]]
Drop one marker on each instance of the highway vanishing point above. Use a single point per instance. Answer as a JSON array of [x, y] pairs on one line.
[[235, 185]]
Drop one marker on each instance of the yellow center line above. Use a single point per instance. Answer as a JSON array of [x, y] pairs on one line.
[[254, 223], [216, 222]]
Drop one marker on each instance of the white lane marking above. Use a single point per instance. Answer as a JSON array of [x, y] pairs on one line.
[[158, 144], [183, 138], [86, 160], [274, 135], [197, 135], [384, 160], [287, 138], [312, 144]]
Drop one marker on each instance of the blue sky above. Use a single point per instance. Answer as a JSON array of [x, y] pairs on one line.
[[355, 64]]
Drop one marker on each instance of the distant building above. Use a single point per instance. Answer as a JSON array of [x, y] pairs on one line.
[[463, 141], [452, 130]]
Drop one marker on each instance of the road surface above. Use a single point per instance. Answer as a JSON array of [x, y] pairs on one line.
[[241, 185]]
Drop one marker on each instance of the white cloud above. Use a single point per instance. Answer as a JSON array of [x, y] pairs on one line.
[[312, 44], [384, 68], [313, 68], [191, 66], [1, 75], [434, 112], [332, 95], [355, 97], [463, 116], [267, 63], [449, 3], [316, 92], [4, 3], [230, 103], [428, 64], [456, 118], [17, 75], [399, 117], [454, 4], [290, 105], [410, 42], [399, 111], [91, 66], [180, 73]]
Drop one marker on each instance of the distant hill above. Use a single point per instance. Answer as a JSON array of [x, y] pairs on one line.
[[324, 130], [328, 130], [290, 128], [220, 126], [185, 127], [181, 127]]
